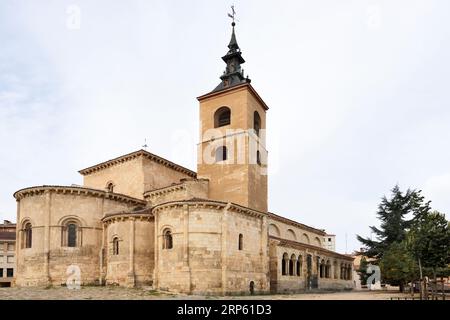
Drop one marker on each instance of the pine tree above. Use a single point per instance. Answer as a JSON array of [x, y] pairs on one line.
[[393, 225]]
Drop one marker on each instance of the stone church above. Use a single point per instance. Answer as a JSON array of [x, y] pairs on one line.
[[142, 220]]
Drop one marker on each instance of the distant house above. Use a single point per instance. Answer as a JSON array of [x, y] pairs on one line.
[[7, 253]]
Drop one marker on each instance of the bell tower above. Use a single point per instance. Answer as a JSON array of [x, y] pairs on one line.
[[232, 152]]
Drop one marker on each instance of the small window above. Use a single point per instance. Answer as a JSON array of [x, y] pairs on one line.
[[167, 239], [221, 154], [9, 272], [10, 246], [258, 157], [256, 122], [329, 239], [110, 187], [240, 244], [115, 246], [222, 117], [28, 232], [1, 273]]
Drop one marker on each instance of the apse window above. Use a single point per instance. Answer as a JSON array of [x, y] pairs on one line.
[[28, 235], [167, 239], [72, 235], [116, 246]]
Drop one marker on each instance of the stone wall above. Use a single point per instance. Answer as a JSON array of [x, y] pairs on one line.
[[134, 263], [205, 258], [188, 189], [134, 176], [127, 178], [48, 209]]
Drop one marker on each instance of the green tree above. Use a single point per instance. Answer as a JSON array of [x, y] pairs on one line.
[[391, 212], [363, 271], [398, 265], [429, 242]]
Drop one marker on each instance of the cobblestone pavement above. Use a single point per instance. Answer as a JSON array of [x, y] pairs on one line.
[[119, 293]]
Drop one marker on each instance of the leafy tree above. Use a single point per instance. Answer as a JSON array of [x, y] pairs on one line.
[[398, 265], [394, 225], [429, 242]]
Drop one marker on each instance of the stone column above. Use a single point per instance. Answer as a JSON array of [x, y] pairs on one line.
[[48, 197], [156, 254], [186, 266], [102, 256], [224, 231], [131, 281]]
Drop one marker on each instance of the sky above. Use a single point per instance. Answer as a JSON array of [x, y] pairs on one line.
[[358, 93]]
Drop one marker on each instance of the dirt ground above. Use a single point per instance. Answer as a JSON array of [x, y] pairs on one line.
[[119, 293]]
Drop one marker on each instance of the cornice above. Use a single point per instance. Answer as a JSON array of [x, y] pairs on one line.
[[205, 203], [134, 155], [300, 245], [233, 88], [142, 215], [38, 190]]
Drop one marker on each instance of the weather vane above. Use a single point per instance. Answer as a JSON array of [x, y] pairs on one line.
[[232, 14]]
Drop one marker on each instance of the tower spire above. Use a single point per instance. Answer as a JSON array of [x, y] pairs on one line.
[[233, 74]]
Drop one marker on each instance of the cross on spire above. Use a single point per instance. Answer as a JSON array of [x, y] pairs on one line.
[[145, 146]]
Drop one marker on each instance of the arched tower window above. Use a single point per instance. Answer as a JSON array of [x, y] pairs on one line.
[[222, 117], [256, 122], [167, 239], [115, 246], [221, 153], [28, 235]]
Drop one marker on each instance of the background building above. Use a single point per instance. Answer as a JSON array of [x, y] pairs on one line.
[[7, 253], [329, 242]]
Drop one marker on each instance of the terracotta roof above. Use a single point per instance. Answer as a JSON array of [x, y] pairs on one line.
[[300, 245], [136, 154], [295, 223]]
